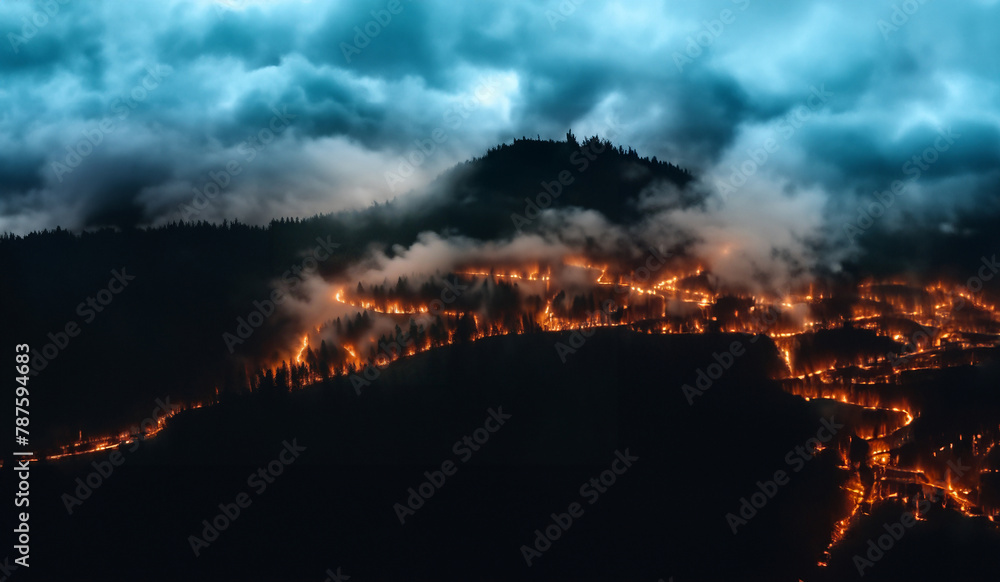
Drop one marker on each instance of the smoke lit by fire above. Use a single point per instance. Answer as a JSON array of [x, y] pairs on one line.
[[851, 346]]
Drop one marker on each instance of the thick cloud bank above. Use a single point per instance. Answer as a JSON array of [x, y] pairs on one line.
[[805, 118]]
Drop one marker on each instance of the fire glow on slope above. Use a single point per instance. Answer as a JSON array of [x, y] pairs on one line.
[[889, 310], [943, 325]]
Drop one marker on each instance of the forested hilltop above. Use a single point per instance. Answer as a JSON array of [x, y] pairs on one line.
[[186, 283]]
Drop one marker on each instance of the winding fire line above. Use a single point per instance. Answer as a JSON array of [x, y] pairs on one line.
[[96, 444], [936, 313], [858, 496]]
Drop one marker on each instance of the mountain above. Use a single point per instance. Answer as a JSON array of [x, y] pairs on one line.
[[478, 198], [562, 425], [163, 333]]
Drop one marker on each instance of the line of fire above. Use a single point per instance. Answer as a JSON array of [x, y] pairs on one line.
[[871, 348]]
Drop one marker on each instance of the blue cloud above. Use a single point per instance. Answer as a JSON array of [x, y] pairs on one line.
[[366, 79]]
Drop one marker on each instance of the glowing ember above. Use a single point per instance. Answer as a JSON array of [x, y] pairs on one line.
[[889, 328]]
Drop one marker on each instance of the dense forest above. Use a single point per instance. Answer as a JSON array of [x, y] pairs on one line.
[[189, 282]]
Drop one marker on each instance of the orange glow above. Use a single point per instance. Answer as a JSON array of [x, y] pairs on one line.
[[305, 344], [862, 386]]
